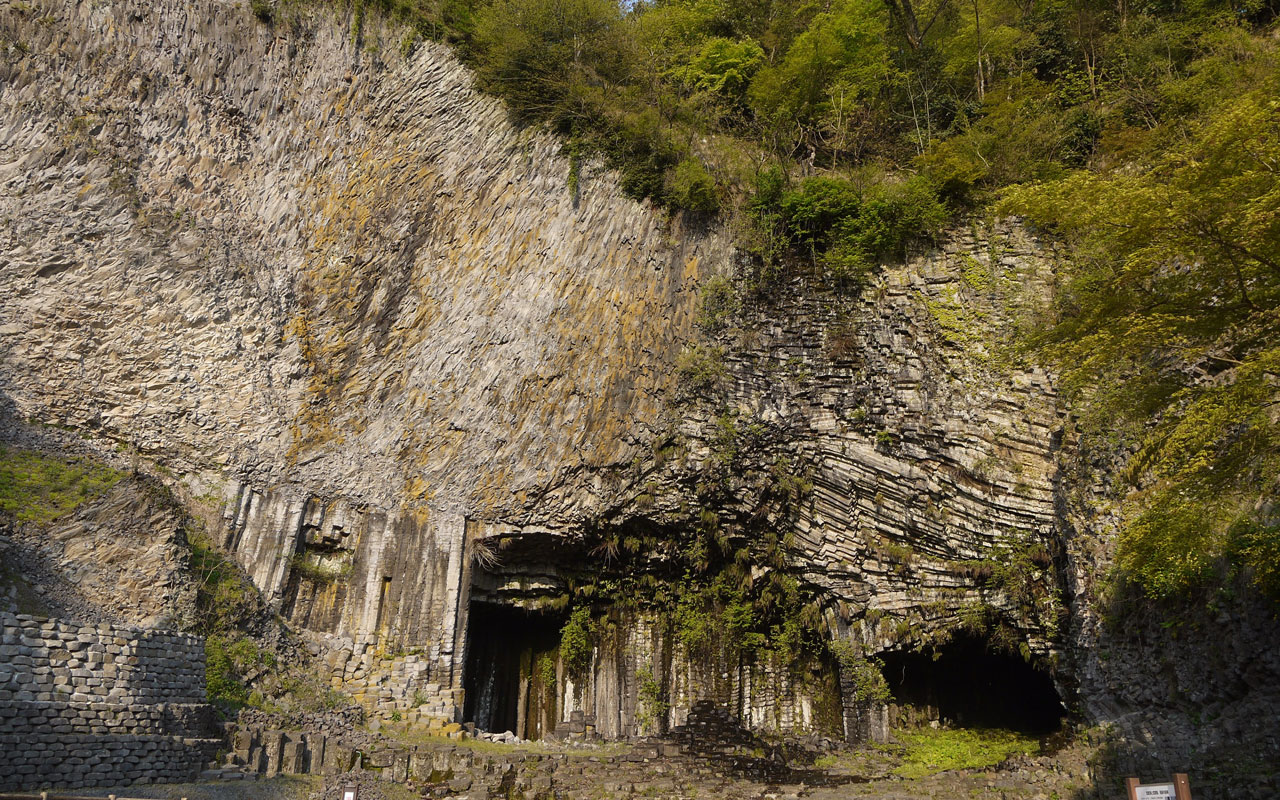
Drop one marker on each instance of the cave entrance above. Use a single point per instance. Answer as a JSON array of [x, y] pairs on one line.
[[969, 685], [510, 677]]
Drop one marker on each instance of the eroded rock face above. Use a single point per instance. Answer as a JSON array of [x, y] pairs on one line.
[[299, 272], [366, 322], [356, 309], [269, 252], [120, 557], [932, 449]]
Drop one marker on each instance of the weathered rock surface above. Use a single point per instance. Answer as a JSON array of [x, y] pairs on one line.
[[930, 447], [264, 251], [279, 265], [365, 321], [120, 557]]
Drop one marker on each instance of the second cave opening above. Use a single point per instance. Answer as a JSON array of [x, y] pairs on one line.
[[967, 684]]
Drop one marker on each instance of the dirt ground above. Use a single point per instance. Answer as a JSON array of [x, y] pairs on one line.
[[863, 773]]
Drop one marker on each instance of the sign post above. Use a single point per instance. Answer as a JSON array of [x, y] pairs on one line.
[[349, 791], [1179, 789]]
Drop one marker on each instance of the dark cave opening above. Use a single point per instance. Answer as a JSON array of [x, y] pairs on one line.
[[508, 651], [970, 685]]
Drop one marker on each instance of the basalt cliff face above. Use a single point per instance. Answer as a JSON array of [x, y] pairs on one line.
[[277, 264], [422, 385]]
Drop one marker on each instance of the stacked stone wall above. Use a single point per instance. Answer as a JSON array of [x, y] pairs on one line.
[[99, 705], [391, 686], [79, 761]]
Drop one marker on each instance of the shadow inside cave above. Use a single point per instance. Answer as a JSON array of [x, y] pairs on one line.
[[967, 684]]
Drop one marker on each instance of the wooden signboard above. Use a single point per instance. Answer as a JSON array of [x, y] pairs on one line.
[[1180, 789]]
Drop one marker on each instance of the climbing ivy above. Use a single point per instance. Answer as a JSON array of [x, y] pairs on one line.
[[576, 641], [864, 674]]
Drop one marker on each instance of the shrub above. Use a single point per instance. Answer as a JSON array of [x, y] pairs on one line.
[[1257, 546], [764, 233], [533, 52], [846, 230], [575, 642], [866, 675], [689, 186], [225, 597], [701, 368], [652, 710], [724, 67], [263, 10], [718, 303], [890, 218], [223, 682], [229, 658], [814, 209], [640, 148], [694, 622]]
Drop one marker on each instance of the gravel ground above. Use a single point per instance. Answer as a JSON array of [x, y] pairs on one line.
[[283, 787]]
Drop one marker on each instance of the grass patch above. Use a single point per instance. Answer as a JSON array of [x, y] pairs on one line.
[[39, 488], [929, 752]]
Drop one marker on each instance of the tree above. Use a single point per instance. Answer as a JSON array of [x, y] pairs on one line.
[[905, 18], [1169, 319], [841, 62], [532, 52]]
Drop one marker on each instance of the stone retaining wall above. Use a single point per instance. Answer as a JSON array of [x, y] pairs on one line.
[[54, 760], [99, 705], [23, 718], [391, 686], [50, 660]]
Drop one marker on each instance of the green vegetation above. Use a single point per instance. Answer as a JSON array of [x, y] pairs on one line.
[[545, 670], [1168, 309], [865, 674], [929, 751], [1023, 573], [652, 709], [718, 303], [225, 602], [39, 488], [833, 136], [964, 97], [263, 10], [721, 596], [225, 599], [701, 369], [576, 642], [315, 568], [722, 585], [228, 659], [238, 670], [842, 227]]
